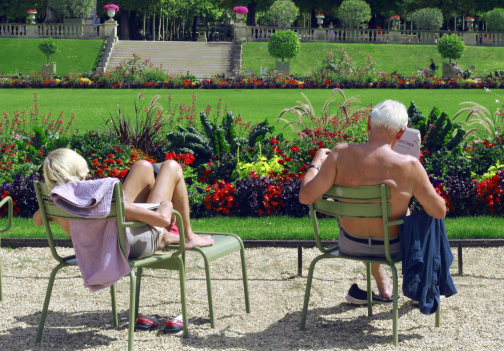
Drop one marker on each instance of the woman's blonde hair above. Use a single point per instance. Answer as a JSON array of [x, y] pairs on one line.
[[62, 166]]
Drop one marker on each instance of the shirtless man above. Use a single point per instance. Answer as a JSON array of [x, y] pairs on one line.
[[141, 186], [369, 164]]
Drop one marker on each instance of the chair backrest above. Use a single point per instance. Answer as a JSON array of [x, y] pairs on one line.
[[49, 209], [361, 202]]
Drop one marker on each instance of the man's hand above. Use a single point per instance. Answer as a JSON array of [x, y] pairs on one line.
[[321, 156]]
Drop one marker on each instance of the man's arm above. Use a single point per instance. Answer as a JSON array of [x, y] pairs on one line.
[[425, 193], [316, 183]]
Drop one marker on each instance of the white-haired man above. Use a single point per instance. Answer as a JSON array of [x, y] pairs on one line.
[[374, 162]]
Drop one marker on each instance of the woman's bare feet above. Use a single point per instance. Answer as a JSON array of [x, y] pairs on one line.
[[168, 239], [193, 240]]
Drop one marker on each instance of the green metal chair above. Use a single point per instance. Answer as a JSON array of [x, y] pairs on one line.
[[224, 244], [168, 261], [358, 205], [7, 200]]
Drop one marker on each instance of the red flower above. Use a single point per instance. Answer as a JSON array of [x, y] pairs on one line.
[[207, 172], [282, 162], [110, 156], [288, 159], [201, 179], [274, 141], [302, 168], [295, 149]]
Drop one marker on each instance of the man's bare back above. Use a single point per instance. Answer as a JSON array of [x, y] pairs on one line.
[[364, 165]]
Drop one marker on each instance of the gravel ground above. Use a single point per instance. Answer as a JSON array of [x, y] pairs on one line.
[[78, 319]]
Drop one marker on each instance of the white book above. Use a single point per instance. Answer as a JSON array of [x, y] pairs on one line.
[[410, 143]]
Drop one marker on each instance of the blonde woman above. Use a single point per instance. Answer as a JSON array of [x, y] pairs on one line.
[[141, 186]]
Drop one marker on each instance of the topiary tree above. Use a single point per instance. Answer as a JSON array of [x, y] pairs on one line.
[[73, 8], [284, 44], [428, 18], [49, 47], [353, 13], [451, 46], [283, 11], [495, 19]]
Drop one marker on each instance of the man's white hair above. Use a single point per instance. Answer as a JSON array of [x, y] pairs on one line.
[[390, 115]]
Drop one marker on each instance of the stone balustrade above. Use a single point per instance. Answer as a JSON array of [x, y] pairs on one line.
[[57, 30], [376, 36]]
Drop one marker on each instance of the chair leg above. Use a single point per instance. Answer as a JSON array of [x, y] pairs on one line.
[[307, 292], [369, 290], [1, 294], [183, 296], [245, 280], [395, 312], [209, 292], [438, 315], [132, 308], [137, 297], [115, 321], [46, 302]]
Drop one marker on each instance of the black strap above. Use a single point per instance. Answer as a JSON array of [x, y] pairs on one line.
[[366, 241]]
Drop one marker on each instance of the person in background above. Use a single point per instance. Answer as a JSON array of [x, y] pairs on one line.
[[379, 33], [331, 32], [96, 20], [455, 67], [431, 69]]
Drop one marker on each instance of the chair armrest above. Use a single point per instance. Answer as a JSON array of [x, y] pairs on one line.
[[7, 200], [133, 224]]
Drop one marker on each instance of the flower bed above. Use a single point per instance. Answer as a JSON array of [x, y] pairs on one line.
[[236, 169]]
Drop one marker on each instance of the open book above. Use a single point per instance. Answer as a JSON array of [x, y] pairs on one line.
[[410, 143], [147, 206]]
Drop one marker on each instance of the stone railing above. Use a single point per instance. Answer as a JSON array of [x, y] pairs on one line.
[[57, 30], [376, 36]]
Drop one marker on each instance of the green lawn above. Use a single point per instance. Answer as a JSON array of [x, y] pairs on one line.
[[389, 57], [75, 55], [284, 228], [253, 105]]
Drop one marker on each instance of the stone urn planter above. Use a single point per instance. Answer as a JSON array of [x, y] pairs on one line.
[[32, 17], [470, 23], [48, 69], [239, 17], [320, 20], [111, 13]]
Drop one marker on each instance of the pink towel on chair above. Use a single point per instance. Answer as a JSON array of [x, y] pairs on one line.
[[96, 243]]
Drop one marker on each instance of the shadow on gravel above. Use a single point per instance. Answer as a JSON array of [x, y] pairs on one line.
[[63, 329], [326, 328]]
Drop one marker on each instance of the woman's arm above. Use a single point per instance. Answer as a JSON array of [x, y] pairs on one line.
[[162, 217], [37, 219]]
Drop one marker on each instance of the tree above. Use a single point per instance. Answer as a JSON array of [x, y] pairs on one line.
[[284, 44], [354, 12], [283, 11], [15, 10], [49, 47], [495, 19], [428, 19], [73, 8], [450, 46], [252, 5]]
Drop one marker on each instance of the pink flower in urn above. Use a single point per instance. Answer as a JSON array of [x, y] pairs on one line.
[[240, 9], [112, 7]]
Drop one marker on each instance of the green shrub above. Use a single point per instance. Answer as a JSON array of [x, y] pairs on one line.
[[353, 13], [49, 47], [284, 44], [451, 46], [73, 8], [495, 19], [428, 18], [283, 11]]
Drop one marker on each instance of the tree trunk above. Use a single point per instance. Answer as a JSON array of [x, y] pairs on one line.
[[251, 14], [124, 25], [455, 24], [145, 18], [194, 23], [154, 26], [133, 26]]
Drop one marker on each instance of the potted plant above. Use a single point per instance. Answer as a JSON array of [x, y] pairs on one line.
[[396, 20], [111, 11], [240, 12], [49, 47], [320, 19], [284, 44], [470, 23], [352, 14], [32, 13]]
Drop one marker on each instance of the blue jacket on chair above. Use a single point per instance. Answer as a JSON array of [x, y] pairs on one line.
[[426, 261]]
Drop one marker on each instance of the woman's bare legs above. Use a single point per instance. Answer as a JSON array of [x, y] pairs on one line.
[[170, 185], [141, 187]]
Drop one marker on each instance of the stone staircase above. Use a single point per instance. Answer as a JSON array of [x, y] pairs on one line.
[[201, 59]]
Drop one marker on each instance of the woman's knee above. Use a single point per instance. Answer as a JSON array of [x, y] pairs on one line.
[[142, 165], [171, 166]]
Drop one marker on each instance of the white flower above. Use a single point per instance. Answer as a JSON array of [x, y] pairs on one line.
[[488, 90], [497, 101], [480, 122]]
